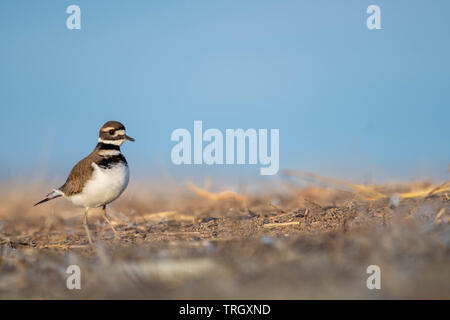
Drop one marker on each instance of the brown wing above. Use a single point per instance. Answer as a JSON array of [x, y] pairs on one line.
[[78, 177]]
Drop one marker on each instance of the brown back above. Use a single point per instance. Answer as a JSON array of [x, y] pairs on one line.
[[80, 174]]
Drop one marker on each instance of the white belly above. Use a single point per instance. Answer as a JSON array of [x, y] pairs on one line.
[[105, 186]]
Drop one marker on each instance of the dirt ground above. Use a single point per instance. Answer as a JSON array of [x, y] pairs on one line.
[[312, 241]]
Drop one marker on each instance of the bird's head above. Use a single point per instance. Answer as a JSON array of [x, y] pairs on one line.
[[113, 132]]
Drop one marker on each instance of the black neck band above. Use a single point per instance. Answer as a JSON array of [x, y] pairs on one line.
[[107, 146]]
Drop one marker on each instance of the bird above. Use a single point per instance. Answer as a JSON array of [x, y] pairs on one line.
[[100, 178]]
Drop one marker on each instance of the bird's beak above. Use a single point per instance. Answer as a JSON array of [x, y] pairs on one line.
[[129, 138]]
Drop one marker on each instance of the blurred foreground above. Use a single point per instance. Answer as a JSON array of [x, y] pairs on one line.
[[293, 242]]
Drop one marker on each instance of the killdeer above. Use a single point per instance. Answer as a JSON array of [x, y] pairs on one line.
[[101, 177]]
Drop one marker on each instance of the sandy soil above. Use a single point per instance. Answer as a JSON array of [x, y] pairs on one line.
[[293, 243]]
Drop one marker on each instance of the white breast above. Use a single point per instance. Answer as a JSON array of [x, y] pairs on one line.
[[105, 186]]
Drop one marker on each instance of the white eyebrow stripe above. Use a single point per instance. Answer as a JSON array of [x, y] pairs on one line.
[[107, 129]]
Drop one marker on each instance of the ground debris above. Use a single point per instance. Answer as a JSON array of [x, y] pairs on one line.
[[310, 242]]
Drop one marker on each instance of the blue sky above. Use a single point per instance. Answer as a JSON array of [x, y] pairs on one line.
[[348, 101]]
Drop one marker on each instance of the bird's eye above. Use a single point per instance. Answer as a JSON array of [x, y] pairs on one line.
[[111, 132]]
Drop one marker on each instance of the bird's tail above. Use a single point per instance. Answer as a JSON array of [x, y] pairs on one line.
[[52, 195]]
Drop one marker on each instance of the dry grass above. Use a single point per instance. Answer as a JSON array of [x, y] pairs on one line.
[[190, 242]]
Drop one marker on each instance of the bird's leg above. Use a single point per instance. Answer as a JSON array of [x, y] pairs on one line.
[[107, 220], [85, 223]]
